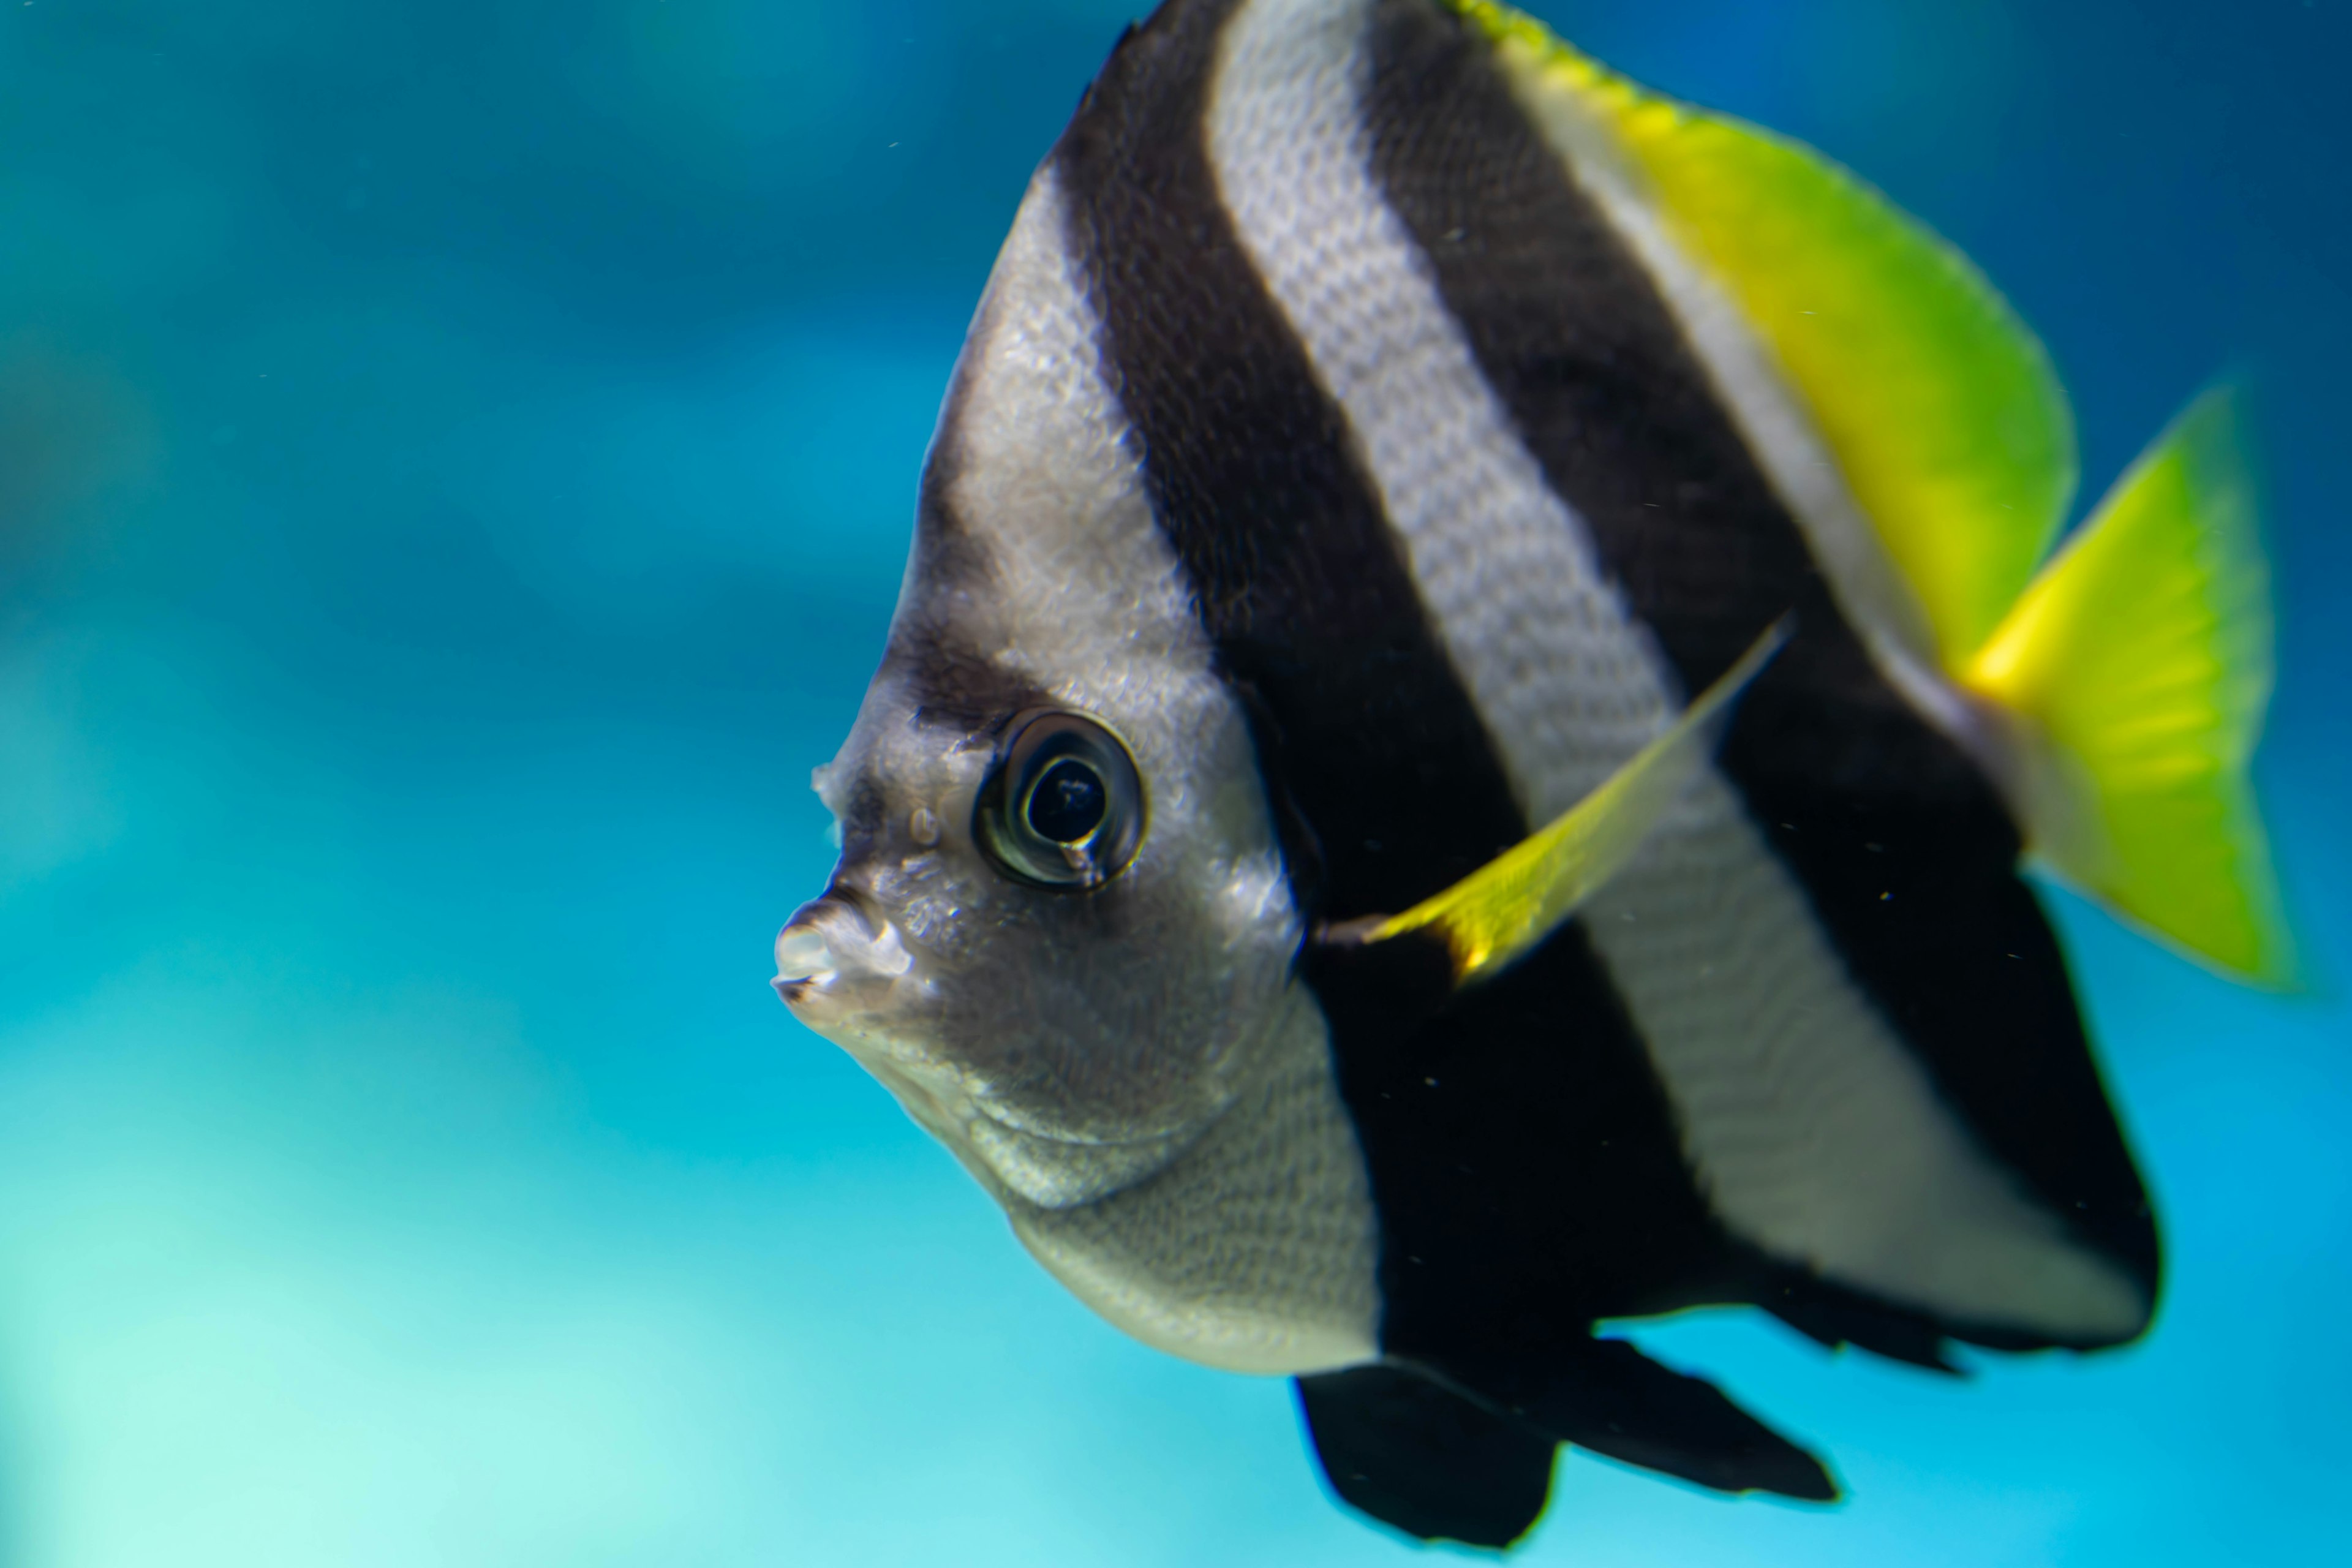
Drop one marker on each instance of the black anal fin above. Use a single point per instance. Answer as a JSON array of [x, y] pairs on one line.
[[1416, 1455], [1832, 1315], [1606, 1396]]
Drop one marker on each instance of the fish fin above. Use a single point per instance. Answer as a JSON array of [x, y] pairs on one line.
[[1938, 405], [1604, 1394], [1507, 906], [2139, 664], [1833, 1316], [1430, 1462]]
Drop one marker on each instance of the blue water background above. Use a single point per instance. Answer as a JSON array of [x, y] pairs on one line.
[[456, 461]]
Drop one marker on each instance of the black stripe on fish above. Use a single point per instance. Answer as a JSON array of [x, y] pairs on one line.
[[949, 681], [1522, 1158], [1901, 844], [1301, 585]]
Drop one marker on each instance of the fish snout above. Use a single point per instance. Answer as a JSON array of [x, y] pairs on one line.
[[836, 945]]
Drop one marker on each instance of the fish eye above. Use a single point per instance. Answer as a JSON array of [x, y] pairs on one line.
[[1062, 808], [1067, 803]]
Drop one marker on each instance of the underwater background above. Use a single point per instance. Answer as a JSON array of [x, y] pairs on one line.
[[455, 464]]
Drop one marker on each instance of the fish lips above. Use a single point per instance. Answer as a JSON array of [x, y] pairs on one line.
[[837, 945]]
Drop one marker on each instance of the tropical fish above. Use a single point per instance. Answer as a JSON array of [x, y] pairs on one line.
[[1481, 659]]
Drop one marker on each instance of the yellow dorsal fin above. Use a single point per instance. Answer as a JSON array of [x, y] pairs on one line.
[[1939, 408], [1515, 900], [2139, 663]]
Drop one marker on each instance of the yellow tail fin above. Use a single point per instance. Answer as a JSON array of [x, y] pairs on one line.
[[2140, 662]]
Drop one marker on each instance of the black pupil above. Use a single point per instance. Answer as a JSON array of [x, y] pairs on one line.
[[1068, 802]]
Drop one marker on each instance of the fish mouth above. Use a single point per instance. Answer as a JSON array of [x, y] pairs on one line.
[[836, 945]]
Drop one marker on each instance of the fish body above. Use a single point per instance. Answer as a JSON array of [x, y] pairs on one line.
[[1381, 425]]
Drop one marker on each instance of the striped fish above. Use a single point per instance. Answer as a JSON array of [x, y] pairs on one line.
[[1285, 857]]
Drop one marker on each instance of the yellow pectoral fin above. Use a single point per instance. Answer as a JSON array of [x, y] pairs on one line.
[[1507, 906], [2140, 662]]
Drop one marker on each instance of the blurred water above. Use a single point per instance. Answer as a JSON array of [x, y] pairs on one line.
[[455, 466]]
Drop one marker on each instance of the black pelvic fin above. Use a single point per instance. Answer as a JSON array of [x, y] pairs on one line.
[[1416, 1455], [1605, 1396]]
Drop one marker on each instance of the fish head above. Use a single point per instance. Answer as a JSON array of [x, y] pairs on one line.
[[1054, 933], [1061, 930]]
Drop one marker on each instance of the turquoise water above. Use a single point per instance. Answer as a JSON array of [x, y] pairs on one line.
[[455, 466]]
